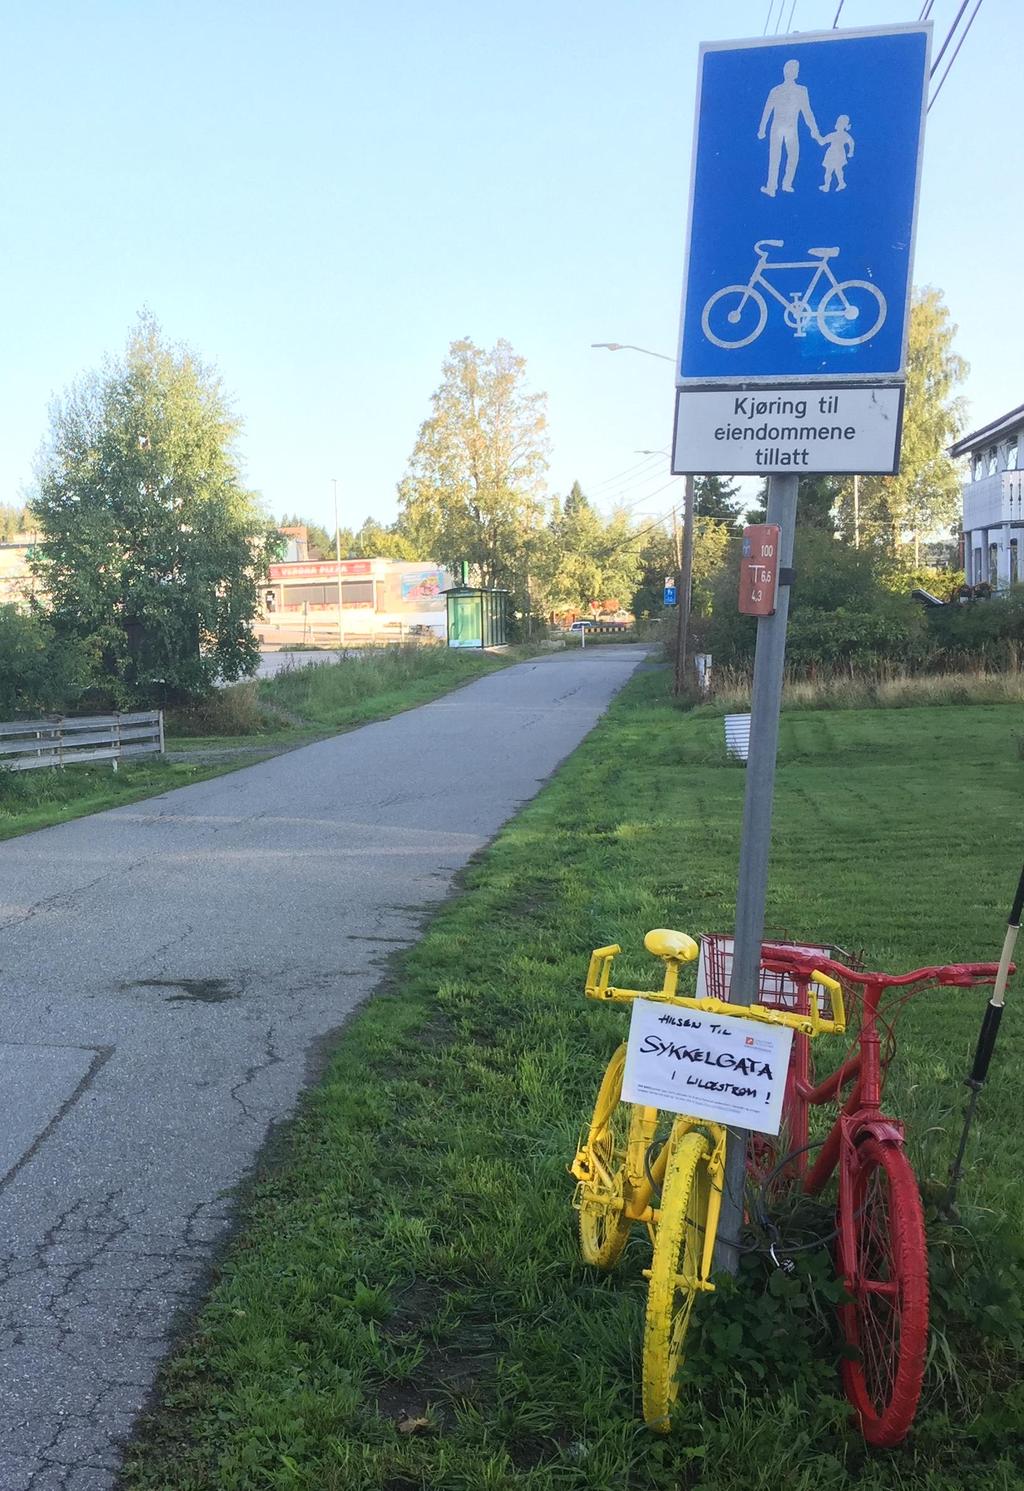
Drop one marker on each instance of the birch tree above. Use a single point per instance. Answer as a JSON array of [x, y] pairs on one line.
[[474, 487]]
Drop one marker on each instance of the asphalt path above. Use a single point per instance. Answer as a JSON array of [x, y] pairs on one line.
[[168, 972]]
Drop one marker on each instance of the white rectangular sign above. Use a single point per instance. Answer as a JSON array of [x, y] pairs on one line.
[[730, 1070], [796, 431]]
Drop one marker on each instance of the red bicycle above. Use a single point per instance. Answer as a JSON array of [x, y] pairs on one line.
[[881, 1252]]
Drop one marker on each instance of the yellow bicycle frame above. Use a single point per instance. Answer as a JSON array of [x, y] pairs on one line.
[[675, 948]]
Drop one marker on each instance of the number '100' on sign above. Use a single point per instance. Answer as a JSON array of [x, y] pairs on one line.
[[759, 569]]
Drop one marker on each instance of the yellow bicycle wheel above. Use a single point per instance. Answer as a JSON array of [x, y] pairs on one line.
[[674, 1286], [615, 1132]]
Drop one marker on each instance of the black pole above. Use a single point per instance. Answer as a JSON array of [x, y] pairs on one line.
[[986, 1045]]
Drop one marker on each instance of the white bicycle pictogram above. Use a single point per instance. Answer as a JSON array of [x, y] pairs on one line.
[[849, 311]]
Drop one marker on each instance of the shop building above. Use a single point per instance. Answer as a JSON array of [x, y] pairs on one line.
[[382, 600]]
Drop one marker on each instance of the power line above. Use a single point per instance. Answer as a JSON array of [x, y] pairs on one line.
[[646, 497], [956, 53], [624, 491], [618, 475], [768, 17], [639, 533], [835, 18], [789, 23], [926, 10], [949, 38]]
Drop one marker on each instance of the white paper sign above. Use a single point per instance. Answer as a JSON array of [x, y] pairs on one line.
[[711, 1066]]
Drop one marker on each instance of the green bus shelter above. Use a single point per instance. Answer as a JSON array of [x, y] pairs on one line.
[[477, 618]]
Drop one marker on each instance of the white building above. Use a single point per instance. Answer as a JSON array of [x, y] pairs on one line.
[[993, 496]]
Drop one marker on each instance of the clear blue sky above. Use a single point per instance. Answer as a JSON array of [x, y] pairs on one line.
[[319, 197]]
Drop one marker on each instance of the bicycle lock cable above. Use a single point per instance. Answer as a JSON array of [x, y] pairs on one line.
[[983, 1050], [764, 1219]]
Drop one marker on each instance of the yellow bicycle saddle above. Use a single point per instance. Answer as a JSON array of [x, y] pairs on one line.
[[664, 943]]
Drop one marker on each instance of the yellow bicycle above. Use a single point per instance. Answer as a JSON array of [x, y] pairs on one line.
[[671, 1186]]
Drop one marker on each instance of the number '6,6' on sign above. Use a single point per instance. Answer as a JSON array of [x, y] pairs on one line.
[[759, 569]]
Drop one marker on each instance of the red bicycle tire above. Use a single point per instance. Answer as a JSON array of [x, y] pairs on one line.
[[886, 1322]]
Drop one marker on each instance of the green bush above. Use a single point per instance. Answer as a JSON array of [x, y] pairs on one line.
[[842, 639], [38, 674], [843, 612], [230, 711], [987, 632]]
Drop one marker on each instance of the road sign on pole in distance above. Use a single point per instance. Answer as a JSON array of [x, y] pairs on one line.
[[669, 598], [806, 166]]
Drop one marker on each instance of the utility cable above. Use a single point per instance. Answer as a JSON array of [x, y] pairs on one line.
[[638, 533], [835, 19], [618, 475], [647, 496], [949, 38], [956, 53], [623, 496]]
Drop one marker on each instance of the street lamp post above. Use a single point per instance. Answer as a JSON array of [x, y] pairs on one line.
[[686, 566], [337, 555]]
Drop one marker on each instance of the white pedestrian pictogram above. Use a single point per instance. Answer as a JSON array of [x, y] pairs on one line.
[[785, 106], [849, 311], [840, 150]]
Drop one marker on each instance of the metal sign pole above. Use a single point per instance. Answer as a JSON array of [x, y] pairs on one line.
[[766, 702], [815, 387]]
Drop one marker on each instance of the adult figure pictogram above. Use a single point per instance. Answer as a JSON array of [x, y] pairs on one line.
[[785, 106]]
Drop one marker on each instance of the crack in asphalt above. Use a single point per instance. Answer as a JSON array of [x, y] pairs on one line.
[[65, 900], [101, 1055], [271, 1057]]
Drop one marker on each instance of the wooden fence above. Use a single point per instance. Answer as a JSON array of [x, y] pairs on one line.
[[26, 744]]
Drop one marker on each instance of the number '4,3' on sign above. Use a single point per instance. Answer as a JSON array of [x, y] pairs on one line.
[[759, 569]]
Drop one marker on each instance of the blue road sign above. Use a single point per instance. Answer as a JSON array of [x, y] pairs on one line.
[[805, 175], [670, 595]]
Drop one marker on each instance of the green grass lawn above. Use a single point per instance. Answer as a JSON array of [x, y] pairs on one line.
[[39, 799], [253, 720], [404, 1306]]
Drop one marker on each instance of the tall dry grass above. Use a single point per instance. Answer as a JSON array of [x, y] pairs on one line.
[[731, 690]]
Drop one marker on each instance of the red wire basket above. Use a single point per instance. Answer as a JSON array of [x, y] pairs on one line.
[[776, 990]]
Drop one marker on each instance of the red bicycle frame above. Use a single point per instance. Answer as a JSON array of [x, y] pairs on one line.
[[862, 1110], [881, 1245]]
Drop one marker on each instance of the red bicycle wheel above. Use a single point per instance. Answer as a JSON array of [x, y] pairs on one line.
[[886, 1323]]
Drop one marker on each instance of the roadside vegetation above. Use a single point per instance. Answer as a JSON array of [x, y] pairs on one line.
[[39, 799], [404, 1306], [882, 690], [246, 722]]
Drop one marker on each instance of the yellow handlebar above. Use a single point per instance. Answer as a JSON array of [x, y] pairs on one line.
[[834, 988], [676, 948]]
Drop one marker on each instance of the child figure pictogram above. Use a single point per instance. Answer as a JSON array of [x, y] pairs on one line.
[[840, 150]]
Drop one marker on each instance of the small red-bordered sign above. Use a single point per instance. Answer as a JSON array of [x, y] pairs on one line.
[[759, 569]]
